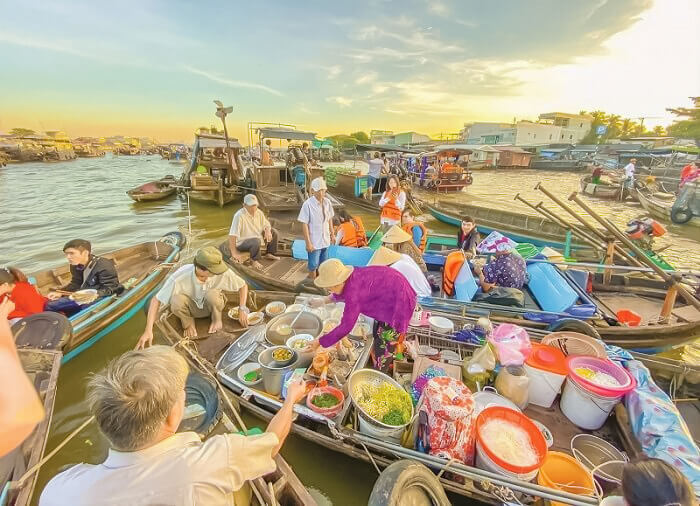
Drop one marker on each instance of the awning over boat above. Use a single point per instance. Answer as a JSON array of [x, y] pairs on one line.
[[384, 148], [218, 142], [286, 133], [512, 149], [467, 148]]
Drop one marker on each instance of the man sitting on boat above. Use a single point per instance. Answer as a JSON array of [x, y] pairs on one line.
[[88, 272], [468, 237], [350, 231], [415, 228], [138, 402], [399, 240], [406, 266], [249, 230], [376, 291], [507, 269], [316, 215], [195, 291]]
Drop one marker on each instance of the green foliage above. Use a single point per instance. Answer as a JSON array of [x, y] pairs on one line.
[[22, 132], [362, 137], [689, 127], [342, 141]]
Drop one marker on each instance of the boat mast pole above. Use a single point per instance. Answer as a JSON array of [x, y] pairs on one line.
[[221, 112]]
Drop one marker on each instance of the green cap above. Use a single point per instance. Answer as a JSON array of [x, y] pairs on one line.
[[211, 259]]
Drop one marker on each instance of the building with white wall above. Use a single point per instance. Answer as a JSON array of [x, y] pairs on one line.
[[574, 127]]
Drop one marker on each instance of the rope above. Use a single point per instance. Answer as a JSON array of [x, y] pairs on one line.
[[449, 463], [371, 458]]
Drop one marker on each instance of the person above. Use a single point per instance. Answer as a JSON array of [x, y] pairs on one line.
[[596, 174], [376, 291], [406, 266], [468, 236], [266, 155], [20, 407], [316, 215], [689, 173], [138, 402], [195, 291], [415, 228], [87, 272], [629, 174], [376, 166], [15, 287], [297, 163], [399, 240], [350, 230], [308, 153], [385, 162], [507, 269], [249, 230], [392, 203], [652, 482]]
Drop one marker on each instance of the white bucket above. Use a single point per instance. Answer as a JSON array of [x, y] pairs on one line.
[[484, 462], [374, 430], [584, 408], [544, 386]]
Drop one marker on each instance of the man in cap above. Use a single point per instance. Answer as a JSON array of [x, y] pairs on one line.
[[399, 240], [195, 291], [249, 229], [316, 216]]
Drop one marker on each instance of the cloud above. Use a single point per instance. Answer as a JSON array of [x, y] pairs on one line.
[[341, 101], [306, 110], [366, 78], [230, 82], [467, 22], [49, 45], [419, 39], [437, 7]]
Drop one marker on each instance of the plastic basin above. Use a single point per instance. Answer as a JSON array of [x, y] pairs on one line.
[[562, 472], [628, 317]]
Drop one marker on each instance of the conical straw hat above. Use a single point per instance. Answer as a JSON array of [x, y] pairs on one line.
[[396, 235], [384, 256]]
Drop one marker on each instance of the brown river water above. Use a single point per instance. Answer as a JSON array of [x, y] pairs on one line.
[[45, 205]]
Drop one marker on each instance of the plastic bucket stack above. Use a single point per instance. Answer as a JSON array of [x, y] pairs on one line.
[[586, 403], [564, 473], [546, 367]]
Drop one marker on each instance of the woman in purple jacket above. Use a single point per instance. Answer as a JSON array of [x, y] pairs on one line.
[[379, 292]]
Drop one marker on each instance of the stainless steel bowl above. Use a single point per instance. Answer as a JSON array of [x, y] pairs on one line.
[[307, 323]]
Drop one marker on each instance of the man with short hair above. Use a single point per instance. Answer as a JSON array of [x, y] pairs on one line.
[[138, 402], [87, 272], [249, 229], [376, 166], [316, 215], [195, 291], [629, 174]]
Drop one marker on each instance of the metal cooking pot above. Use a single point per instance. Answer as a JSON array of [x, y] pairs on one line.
[[273, 371], [307, 323]]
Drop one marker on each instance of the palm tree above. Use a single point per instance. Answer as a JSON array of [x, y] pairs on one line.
[[659, 131], [614, 125]]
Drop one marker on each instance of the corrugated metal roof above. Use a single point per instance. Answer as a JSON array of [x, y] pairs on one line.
[[218, 142], [286, 133], [467, 147], [512, 149], [384, 148]]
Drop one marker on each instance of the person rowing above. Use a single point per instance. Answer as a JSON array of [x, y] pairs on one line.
[[379, 292]]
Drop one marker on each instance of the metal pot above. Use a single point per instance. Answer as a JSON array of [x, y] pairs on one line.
[[273, 371], [307, 323]]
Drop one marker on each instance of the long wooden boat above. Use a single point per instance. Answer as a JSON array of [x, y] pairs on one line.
[[142, 268], [154, 190], [558, 165], [600, 190], [660, 208], [42, 367], [229, 349]]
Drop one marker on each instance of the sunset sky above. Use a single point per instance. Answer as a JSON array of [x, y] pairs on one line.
[[153, 67]]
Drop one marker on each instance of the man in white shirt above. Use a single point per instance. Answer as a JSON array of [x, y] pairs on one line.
[[138, 402], [629, 174], [376, 166], [195, 291], [316, 217], [249, 229], [406, 266]]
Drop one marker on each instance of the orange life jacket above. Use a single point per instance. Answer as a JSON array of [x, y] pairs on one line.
[[453, 263], [354, 235], [391, 210], [360, 231], [408, 228]]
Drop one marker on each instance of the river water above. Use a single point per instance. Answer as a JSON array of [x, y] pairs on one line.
[[44, 205]]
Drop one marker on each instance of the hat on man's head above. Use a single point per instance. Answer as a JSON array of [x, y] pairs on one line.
[[318, 184], [211, 259], [250, 200], [332, 272], [384, 256], [396, 235]]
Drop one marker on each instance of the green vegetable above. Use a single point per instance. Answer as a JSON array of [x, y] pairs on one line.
[[252, 376], [393, 417], [325, 401]]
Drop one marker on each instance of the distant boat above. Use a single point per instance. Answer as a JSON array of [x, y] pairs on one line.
[[660, 205], [600, 190], [154, 190]]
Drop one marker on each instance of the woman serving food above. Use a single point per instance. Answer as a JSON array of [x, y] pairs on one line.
[[379, 292]]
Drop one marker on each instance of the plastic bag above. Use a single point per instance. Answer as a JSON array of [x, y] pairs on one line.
[[476, 370], [512, 344], [513, 383]]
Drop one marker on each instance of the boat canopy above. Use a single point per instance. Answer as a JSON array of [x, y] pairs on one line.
[[217, 142], [286, 133], [512, 149], [384, 148]]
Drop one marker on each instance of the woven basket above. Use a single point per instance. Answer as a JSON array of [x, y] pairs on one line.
[[575, 343]]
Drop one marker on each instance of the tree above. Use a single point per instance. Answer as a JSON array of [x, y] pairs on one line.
[[628, 126], [22, 132], [598, 120], [659, 131], [639, 130], [614, 125], [686, 128], [361, 137]]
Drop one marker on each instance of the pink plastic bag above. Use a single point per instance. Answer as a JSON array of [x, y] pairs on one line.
[[512, 344]]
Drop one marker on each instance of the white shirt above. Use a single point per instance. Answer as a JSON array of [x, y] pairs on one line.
[[629, 170], [400, 203], [248, 226], [415, 277], [184, 281], [178, 471], [311, 213], [375, 167]]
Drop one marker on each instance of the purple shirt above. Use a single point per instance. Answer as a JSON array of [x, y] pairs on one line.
[[506, 270], [379, 292]]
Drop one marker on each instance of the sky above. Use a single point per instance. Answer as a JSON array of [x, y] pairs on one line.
[[153, 67]]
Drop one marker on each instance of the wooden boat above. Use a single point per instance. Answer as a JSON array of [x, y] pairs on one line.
[[341, 433], [558, 165], [451, 175], [600, 190], [142, 268], [155, 190], [42, 368], [659, 206]]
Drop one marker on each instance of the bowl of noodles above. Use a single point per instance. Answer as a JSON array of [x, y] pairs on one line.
[[275, 308]]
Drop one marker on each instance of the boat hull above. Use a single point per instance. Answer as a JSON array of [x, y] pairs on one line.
[[660, 209], [601, 191]]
